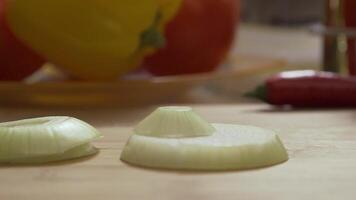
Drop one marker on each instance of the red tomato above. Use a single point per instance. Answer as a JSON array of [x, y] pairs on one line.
[[17, 61], [198, 38]]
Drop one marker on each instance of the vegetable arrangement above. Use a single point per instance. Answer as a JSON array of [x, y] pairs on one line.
[[46, 139], [177, 138], [90, 39], [103, 40], [308, 89]]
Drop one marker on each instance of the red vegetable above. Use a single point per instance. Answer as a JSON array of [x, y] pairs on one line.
[[198, 39], [17, 61], [308, 88]]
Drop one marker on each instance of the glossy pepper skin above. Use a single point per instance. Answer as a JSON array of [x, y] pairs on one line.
[[198, 38], [17, 61], [90, 39], [308, 89]]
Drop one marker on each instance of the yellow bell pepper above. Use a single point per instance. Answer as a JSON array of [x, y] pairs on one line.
[[91, 39]]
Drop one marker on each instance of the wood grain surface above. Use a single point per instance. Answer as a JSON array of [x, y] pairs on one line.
[[321, 145]]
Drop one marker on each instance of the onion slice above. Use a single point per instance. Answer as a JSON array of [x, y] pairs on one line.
[[174, 122], [45, 139], [230, 147]]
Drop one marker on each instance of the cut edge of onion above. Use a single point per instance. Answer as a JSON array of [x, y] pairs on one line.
[[77, 152], [45, 139]]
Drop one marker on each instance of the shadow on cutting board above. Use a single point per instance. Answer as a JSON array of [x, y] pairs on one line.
[[196, 171]]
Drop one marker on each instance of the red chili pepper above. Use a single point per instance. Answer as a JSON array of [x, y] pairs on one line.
[[308, 89]]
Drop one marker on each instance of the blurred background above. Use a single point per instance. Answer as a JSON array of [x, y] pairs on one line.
[[202, 52], [281, 28], [283, 12]]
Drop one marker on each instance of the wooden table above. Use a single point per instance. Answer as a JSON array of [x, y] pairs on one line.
[[321, 145]]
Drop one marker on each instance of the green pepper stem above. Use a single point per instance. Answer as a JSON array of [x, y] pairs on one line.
[[259, 93]]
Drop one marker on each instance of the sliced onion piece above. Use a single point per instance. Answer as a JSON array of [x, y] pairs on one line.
[[232, 147], [174, 122], [77, 152], [45, 139], [170, 142]]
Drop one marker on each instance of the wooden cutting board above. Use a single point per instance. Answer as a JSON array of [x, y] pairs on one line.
[[321, 145]]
